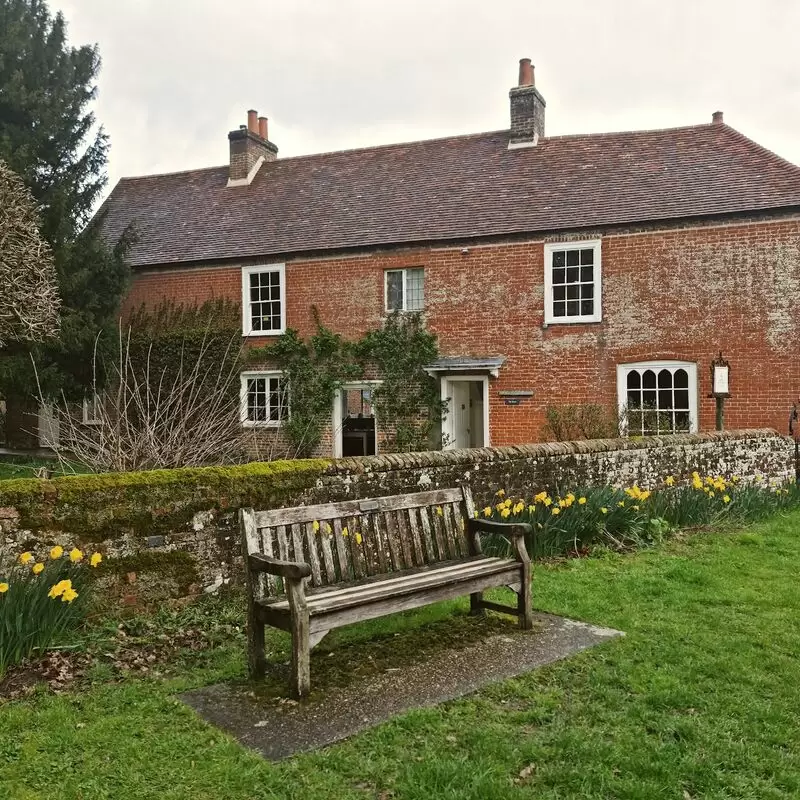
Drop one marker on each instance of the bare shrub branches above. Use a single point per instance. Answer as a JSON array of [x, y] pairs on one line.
[[29, 300]]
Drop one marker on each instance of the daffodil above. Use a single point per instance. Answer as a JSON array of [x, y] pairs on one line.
[[95, 559], [604, 510], [540, 498], [358, 538], [501, 492], [531, 509], [25, 558], [37, 568], [344, 531], [621, 503], [635, 508], [670, 481], [59, 588], [726, 499], [75, 555], [519, 507], [555, 510], [581, 501], [505, 513], [562, 504], [487, 512], [439, 511], [315, 526], [547, 501], [3, 588], [56, 552], [68, 595]]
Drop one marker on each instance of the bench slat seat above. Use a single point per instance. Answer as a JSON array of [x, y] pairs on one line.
[[314, 568]]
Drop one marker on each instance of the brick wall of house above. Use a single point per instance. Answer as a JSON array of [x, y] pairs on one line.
[[682, 293]]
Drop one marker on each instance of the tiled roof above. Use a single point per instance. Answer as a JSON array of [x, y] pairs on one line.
[[454, 188]]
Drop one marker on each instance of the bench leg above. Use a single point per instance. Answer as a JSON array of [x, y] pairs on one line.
[[524, 599], [256, 657], [475, 607], [301, 647]]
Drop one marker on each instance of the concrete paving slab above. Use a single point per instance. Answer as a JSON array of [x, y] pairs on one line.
[[277, 728]]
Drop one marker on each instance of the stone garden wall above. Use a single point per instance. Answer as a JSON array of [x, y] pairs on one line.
[[174, 532]]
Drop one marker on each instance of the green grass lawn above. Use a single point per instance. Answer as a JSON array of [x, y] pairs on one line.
[[699, 700], [26, 467]]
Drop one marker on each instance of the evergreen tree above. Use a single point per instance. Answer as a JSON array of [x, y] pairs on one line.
[[49, 137]]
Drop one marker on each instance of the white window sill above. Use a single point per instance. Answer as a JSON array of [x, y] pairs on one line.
[[250, 424], [571, 320], [257, 334]]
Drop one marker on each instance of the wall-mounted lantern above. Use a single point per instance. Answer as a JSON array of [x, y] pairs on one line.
[[720, 386]]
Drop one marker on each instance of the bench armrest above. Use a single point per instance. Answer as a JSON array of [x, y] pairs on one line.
[[293, 570], [510, 529], [515, 531]]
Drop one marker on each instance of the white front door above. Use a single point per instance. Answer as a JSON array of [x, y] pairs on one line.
[[466, 423]]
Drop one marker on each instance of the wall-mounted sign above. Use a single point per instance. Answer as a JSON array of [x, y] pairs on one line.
[[513, 397], [720, 377]]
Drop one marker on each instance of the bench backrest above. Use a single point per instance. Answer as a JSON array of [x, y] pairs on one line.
[[361, 538]]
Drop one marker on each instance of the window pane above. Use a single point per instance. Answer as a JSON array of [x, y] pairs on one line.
[[665, 399], [682, 399], [649, 379], [559, 309], [664, 379], [573, 292], [573, 308], [682, 421], [559, 275], [587, 308], [586, 274], [587, 256], [559, 293], [634, 379], [394, 290], [573, 274], [587, 291], [572, 258], [414, 289], [265, 300], [681, 379], [559, 258], [634, 398]]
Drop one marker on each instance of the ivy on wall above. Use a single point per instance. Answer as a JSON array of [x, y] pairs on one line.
[[406, 401]]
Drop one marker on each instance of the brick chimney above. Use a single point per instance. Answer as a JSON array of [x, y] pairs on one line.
[[527, 109], [250, 148]]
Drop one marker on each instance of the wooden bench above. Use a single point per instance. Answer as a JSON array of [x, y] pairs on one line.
[[314, 568]]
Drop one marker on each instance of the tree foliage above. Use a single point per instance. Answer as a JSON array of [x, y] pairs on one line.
[[49, 136], [29, 300]]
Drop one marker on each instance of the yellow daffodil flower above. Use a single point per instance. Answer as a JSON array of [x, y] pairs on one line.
[[3, 588], [95, 559], [670, 481], [358, 538], [75, 555], [68, 595], [570, 497], [505, 513], [621, 503], [25, 558], [501, 492], [581, 501], [540, 498], [37, 568], [519, 507], [439, 511], [315, 526], [604, 510], [547, 501], [56, 552], [344, 531], [59, 588], [531, 509], [562, 503], [555, 510], [726, 499], [487, 512], [635, 508]]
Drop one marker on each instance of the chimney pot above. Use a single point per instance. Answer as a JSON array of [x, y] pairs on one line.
[[526, 72], [716, 118], [252, 121], [262, 127]]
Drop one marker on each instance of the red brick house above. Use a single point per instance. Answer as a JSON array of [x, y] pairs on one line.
[[606, 268]]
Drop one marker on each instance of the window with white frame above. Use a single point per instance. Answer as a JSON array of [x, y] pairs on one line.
[[657, 397], [91, 410], [572, 282], [404, 289], [264, 300], [264, 399]]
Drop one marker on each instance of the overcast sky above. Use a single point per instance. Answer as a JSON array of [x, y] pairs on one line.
[[331, 74]]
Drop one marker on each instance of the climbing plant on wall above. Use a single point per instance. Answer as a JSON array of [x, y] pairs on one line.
[[406, 401]]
